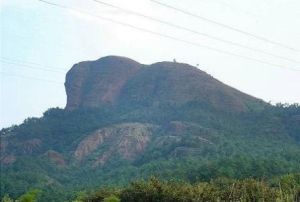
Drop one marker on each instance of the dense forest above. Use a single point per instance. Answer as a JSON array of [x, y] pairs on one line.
[[234, 166]]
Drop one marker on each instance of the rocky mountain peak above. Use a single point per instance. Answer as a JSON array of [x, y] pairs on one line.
[[93, 83], [115, 80]]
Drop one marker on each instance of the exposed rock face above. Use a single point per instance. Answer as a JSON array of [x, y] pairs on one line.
[[7, 159], [91, 142], [129, 141], [31, 145], [91, 84], [176, 127], [121, 81], [3, 145], [56, 157], [177, 84], [126, 140]]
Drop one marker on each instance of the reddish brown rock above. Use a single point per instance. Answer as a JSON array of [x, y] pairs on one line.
[[121, 81], [92, 84], [55, 157], [31, 145], [90, 143], [8, 159], [126, 140]]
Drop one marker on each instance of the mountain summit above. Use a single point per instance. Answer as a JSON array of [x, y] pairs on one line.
[[114, 80]]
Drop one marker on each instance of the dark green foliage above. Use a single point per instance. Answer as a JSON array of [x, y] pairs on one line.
[[30, 196], [6, 198], [286, 188], [257, 144]]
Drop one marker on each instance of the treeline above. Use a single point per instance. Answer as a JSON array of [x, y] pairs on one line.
[[63, 183], [285, 188]]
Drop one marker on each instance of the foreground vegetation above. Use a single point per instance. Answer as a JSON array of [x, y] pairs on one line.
[[285, 188]]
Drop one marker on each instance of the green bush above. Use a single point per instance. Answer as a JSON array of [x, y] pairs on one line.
[[30, 196], [111, 199]]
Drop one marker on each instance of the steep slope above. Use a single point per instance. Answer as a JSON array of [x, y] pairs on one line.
[[92, 84], [176, 84]]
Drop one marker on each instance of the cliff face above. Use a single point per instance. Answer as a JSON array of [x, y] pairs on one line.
[[91, 84], [121, 81]]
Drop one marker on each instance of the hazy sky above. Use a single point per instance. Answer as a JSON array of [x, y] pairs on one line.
[[36, 37]]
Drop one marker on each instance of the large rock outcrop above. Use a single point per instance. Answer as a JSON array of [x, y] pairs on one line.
[[94, 83], [126, 140], [120, 81]]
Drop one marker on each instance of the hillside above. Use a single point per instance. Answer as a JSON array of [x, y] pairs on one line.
[[124, 120]]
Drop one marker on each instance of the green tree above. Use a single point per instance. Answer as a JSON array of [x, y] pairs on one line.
[[30, 196], [6, 198], [112, 198]]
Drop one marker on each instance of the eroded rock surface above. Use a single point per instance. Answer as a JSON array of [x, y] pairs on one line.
[[120, 81], [91, 143], [126, 140], [7, 159], [31, 145], [56, 157], [94, 83]]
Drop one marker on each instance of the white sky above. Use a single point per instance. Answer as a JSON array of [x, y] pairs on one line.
[[54, 38]]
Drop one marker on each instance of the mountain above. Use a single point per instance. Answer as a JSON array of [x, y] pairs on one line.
[[124, 120], [121, 81]]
